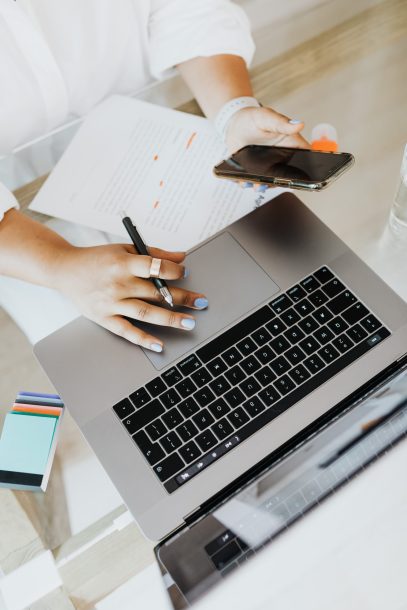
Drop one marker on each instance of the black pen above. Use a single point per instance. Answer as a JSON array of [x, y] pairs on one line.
[[141, 248]]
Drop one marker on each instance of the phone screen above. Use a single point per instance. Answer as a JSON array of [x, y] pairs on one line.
[[285, 163]]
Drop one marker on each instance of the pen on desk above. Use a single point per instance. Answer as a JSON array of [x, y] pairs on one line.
[[141, 248]]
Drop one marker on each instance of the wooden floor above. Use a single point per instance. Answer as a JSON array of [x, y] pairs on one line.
[[352, 76]]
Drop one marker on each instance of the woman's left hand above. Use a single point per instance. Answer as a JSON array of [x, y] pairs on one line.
[[263, 126]]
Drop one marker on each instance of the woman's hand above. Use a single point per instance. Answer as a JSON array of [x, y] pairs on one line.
[[109, 284], [263, 126]]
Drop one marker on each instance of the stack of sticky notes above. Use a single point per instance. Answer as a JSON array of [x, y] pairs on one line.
[[28, 440]]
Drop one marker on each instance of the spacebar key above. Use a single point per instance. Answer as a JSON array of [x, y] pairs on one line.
[[168, 467], [234, 334]]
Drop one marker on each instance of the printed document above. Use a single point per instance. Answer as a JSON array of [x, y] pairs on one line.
[[152, 162]]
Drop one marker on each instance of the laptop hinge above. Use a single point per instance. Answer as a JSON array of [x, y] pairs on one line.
[[192, 516]]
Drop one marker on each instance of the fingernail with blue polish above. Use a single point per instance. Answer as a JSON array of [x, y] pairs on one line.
[[262, 188], [156, 347], [248, 185], [186, 272], [188, 323], [295, 121], [201, 302]]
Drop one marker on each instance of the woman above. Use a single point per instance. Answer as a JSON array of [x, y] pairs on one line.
[[59, 59]]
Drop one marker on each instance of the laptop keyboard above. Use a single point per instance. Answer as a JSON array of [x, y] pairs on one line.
[[200, 409]]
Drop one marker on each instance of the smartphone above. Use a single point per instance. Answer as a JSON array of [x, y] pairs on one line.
[[294, 168]]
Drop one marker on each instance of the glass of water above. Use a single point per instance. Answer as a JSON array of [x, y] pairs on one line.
[[398, 212]]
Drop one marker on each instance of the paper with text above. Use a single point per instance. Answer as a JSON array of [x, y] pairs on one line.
[[154, 163]]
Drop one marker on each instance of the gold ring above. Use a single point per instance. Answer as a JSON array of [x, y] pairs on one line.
[[155, 267]]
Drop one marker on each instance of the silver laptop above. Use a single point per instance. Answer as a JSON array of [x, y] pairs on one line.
[[297, 323]]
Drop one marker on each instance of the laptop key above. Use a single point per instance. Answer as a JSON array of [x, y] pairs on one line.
[[269, 396], [318, 298], [170, 398], [370, 323], [265, 376], [280, 365], [226, 555], [219, 385], [172, 418], [187, 430], [202, 376], [188, 407], [222, 428], [284, 385], [216, 367], [276, 326], [310, 283], [323, 275], [232, 356], [219, 408], [123, 408], [279, 345], [172, 376], [333, 287], [328, 353], [338, 325], [308, 324], [140, 397], [253, 406], [261, 336], [323, 335], [314, 364], [206, 440], [204, 396], [238, 417], [250, 386], [304, 307], [156, 386], [295, 355], [290, 316], [343, 343], [341, 302], [170, 442], [299, 374], [355, 313], [281, 303], [296, 293], [294, 334], [190, 452], [156, 429], [203, 419], [309, 345], [377, 337], [234, 397], [139, 419], [235, 375], [186, 387], [357, 333], [189, 364], [151, 451], [322, 315], [265, 354], [250, 364], [168, 467], [247, 346]]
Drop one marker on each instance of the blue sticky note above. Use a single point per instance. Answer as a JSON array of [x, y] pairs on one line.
[[26, 442]]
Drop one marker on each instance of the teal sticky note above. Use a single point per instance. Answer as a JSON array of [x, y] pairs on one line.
[[25, 443]]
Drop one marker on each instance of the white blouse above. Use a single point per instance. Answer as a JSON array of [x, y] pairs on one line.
[[58, 58]]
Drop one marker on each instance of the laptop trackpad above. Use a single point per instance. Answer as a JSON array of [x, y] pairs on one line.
[[233, 283]]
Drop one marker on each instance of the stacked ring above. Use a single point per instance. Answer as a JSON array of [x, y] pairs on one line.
[[155, 267]]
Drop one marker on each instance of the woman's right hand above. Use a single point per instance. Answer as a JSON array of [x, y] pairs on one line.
[[110, 283]]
